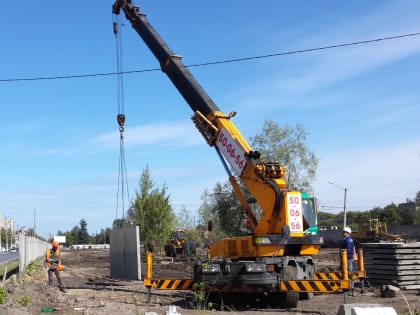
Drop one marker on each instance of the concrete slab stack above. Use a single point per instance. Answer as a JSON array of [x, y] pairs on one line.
[[393, 263]]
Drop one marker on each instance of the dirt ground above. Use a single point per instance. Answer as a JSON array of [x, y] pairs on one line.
[[90, 291]]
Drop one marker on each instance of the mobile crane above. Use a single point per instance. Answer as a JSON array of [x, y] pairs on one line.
[[278, 249]]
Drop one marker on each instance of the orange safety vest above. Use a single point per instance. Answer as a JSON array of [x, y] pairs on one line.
[[50, 254]]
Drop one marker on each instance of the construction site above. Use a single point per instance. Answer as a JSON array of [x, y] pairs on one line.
[[90, 290], [277, 260]]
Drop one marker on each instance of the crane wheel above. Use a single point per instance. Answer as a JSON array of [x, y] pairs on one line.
[[289, 299]]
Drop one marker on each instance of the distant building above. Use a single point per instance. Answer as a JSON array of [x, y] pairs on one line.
[[7, 223]]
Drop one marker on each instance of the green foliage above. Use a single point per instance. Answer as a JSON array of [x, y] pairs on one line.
[[3, 295], [32, 266], [408, 311], [83, 232], [390, 215], [193, 232], [226, 209], [72, 237], [287, 146], [102, 237], [199, 295], [120, 223], [205, 212], [23, 300], [406, 213], [80, 235], [151, 210]]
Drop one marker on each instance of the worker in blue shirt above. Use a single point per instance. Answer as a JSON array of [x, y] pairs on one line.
[[348, 244]]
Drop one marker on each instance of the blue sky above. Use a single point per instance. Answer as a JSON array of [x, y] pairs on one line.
[[360, 104]]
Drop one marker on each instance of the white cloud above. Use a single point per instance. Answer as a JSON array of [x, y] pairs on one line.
[[348, 62], [169, 133], [163, 133]]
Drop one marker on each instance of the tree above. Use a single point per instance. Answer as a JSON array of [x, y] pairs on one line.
[[151, 210], [329, 219], [287, 146], [226, 208], [407, 212], [83, 232], [184, 220], [390, 215], [102, 237], [193, 233], [120, 223], [223, 209], [72, 237], [417, 211], [209, 218]]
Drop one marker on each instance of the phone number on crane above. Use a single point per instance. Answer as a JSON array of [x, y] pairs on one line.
[[232, 153]]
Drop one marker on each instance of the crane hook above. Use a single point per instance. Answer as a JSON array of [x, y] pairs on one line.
[[121, 121]]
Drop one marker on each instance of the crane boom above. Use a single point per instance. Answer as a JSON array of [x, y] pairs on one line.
[[265, 181], [170, 63]]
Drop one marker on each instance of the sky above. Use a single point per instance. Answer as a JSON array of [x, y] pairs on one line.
[[360, 104]]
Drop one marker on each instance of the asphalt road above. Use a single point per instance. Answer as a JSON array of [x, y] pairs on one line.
[[9, 256]]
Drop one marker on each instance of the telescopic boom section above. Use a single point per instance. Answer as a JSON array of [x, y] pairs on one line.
[[265, 181], [170, 63]]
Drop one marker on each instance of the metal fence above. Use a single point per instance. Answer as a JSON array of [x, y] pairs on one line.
[[30, 249]]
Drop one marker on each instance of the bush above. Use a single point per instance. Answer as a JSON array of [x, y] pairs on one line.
[[3, 295]]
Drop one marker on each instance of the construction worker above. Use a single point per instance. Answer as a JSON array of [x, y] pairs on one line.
[[348, 244], [53, 262]]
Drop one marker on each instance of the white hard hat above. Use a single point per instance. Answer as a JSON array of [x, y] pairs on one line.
[[347, 230]]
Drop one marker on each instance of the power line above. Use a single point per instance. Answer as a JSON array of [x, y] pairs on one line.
[[292, 52]]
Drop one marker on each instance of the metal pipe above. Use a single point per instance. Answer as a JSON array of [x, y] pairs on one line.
[[149, 265], [345, 273], [361, 262]]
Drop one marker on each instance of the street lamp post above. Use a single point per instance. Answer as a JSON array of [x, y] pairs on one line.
[[345, 200]]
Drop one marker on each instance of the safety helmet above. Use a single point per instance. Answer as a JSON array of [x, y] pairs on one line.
[[55, 244], [347, 229]]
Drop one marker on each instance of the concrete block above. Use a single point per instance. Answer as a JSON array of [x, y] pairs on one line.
[[365, 309], [172, 310], [124, 253]]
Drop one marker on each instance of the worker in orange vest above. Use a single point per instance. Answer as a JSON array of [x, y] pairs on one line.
[[53, 262]]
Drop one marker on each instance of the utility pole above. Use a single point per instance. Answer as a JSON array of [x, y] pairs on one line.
[[345, 202]]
